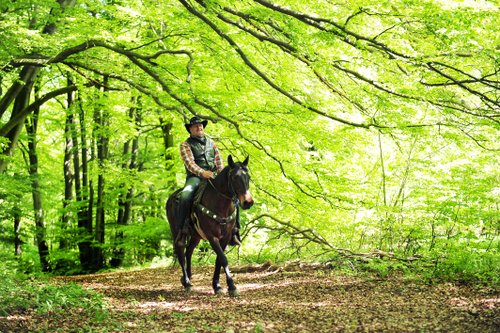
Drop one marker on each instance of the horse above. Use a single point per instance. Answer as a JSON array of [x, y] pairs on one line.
[[213, 216]]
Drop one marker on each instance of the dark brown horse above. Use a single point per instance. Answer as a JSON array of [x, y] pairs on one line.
[[213, 217]]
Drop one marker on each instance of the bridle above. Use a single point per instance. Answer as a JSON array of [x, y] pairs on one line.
[[234, 195], [234, 198]]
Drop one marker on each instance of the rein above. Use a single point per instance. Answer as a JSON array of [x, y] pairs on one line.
[[233, 198]]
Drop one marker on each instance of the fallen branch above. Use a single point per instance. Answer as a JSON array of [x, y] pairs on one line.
[[311, 236]]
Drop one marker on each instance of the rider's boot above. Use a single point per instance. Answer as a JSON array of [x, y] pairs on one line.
[[235, 237], [183, 232]]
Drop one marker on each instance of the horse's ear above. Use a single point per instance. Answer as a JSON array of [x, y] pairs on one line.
[[230, 161], [245, 162]]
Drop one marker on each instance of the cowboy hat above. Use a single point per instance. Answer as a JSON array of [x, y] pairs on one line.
[[194, 121]]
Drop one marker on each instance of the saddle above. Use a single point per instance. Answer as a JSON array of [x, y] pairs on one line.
[[196, 201], [197, 208], [197, 195], [199, 192]]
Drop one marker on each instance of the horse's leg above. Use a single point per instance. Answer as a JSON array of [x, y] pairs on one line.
[[179, 252], [172, 216], [233, 292], [216, 277], [193, 242], [222, 262]]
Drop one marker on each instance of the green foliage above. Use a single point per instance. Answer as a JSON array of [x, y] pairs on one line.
[[29, 261], [371, 128], [65, 262], [466, 263], [19, 294], [144, 241]]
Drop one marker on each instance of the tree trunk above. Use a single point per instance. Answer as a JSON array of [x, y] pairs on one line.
[[16, 213], [125, 200], [101, 121], [68, 173], [43, 249], [82, 190], [168, 143], [19, 93]]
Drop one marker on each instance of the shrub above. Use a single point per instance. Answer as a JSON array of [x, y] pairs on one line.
[[19, 294]]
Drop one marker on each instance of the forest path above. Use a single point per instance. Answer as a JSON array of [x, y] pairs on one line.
[[295, 298]]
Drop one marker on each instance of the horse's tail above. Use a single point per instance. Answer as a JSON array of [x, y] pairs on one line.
[[172, 211]]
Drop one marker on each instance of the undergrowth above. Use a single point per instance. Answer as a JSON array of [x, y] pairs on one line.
[[21, 294]]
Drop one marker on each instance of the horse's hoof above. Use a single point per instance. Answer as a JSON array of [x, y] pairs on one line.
[[234, 293], [187, 289], [218, 291]]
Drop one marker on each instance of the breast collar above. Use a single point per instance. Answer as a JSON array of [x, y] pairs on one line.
[[209, 213]]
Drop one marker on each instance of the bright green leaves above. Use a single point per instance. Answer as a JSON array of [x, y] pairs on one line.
[[365, 121]]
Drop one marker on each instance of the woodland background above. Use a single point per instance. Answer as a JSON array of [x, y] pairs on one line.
[[372, 129]]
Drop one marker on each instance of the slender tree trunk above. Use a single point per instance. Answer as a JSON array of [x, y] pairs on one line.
[[385, 220], [101, 120], [26, 77], [43, 249], [82, 191], [22, 101], [125, 200], [382, 170], [19, 93], [68, 172], [168, 143], [16, 213]]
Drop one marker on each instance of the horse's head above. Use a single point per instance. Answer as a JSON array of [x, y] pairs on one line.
[[239, 179]]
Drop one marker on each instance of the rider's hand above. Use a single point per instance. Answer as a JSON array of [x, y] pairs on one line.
[[207, 174]]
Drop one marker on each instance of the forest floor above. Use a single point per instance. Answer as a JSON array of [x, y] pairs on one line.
[[292, 298]]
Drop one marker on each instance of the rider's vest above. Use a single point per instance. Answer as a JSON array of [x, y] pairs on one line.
[[203, 152]]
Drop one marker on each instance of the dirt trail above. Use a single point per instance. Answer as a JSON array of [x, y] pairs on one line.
[[292, 299]]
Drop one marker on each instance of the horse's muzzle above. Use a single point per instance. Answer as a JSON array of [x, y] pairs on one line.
[[246, 200]]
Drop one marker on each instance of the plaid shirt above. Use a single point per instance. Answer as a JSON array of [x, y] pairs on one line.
[[188, 159]]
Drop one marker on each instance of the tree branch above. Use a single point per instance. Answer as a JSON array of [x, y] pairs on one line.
[[19, 118], [263, 76], [310, 236]]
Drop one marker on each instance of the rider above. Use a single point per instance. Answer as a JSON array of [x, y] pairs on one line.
[[201, 159]]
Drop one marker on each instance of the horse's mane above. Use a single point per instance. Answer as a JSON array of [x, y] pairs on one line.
[[222, 175], [223, 171]]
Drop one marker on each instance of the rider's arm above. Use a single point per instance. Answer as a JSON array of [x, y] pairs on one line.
[[218, 159], [188, 159]]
